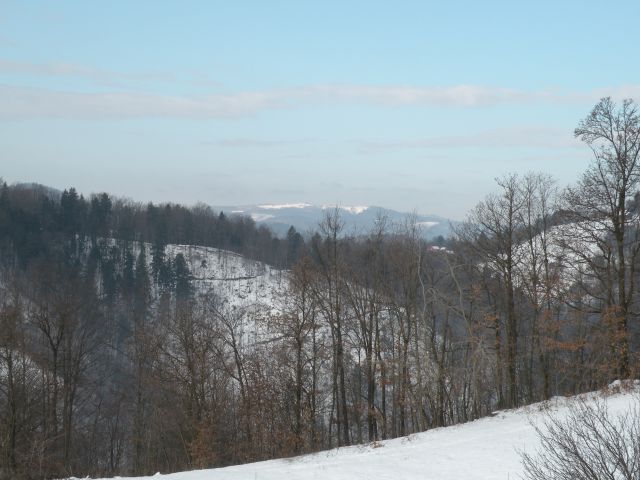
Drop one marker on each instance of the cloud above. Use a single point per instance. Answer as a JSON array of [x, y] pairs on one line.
[[526, 136], [20, 102], [455, 96], [60, 69], [256, 143]]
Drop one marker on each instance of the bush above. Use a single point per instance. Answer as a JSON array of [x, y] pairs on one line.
[[589, 443]]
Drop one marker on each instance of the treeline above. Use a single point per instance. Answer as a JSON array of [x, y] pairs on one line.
[[34, 217], [369, 338]]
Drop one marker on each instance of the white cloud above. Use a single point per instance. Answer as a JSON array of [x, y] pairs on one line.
[[256, 143], [525, 136], [458, 95], [18, 102], [61, 69], [21, 102]]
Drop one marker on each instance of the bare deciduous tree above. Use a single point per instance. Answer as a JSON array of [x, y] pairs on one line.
[[599, 209], [589, 444]]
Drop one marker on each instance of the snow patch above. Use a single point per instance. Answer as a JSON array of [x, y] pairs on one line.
[[428, 224], [355, 210], [261, 217], [285, 205]]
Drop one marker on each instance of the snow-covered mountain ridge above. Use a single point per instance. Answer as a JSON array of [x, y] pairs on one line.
[[485, 449], [358, 219]]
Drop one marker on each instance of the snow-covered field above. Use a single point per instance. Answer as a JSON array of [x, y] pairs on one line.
[[484, 449]]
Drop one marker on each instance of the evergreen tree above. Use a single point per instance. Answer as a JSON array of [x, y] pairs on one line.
[[295, 244], [128, 273], [99, 216], [142, 286], [182, 274]]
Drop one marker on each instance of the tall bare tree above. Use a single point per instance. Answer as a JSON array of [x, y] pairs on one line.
[[599, 207], [331, 301]]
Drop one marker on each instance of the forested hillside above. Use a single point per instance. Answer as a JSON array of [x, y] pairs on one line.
[[144, 338], [35, 218]]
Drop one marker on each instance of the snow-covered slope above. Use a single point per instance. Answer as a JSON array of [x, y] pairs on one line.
[[484, 449], [240, 281]]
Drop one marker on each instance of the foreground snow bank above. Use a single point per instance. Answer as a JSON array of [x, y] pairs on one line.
[[483, 449]]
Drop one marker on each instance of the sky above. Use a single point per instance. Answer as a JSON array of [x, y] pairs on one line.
[[406, 105]]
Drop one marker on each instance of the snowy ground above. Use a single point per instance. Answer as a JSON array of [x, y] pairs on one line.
[[481, 450], [239, 280]]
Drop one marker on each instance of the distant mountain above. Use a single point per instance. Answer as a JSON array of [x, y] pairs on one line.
[[305, 217]]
